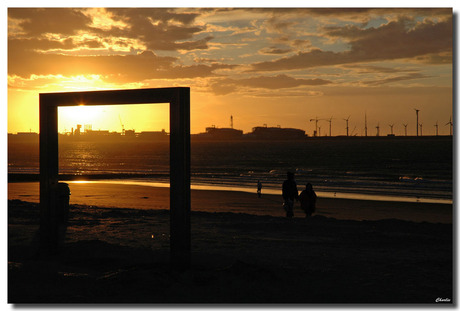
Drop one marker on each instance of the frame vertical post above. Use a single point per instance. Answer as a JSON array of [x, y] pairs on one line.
[[180, 230], [48, 176]]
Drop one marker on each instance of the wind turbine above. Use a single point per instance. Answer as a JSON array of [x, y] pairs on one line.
[[391, 128], [378, 129], [416, 112], [405, 129], [347, 123], [450, 123], [436, 126], [330, 126]]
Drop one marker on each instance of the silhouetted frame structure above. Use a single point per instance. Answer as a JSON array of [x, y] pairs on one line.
[[179, 104]]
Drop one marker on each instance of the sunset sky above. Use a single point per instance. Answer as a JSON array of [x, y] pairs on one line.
[[262, 66]]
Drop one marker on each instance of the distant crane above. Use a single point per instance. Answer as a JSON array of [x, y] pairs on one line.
[[347, 123], [450, 123], [316, 125], [378, 129], [405, 129], [416, 113], [421, 129], [436, 126], [122, 126], [391, 128]]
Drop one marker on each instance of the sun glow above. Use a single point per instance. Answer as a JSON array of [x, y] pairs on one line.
[[114, 118], [83, 83], [82, 114]]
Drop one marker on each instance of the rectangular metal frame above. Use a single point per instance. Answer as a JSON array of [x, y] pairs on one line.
[[179, 103]]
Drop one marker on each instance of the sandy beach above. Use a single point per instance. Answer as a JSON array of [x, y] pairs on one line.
[[146, 197], [243, 250]]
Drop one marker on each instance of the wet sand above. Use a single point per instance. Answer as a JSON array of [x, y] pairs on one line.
[[146, 197], [350, 252]]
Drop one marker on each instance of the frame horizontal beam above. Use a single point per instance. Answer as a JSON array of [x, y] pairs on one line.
[[117, 97]]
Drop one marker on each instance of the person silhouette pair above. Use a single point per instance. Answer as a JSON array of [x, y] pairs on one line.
[[290, 193]]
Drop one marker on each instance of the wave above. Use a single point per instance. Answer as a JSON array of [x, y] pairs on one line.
[[336, 195]]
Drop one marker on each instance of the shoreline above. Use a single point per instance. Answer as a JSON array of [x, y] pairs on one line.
[[272, 191], [147, 197], [134, 179]]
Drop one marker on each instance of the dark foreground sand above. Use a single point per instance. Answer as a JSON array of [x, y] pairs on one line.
[[115, 255]]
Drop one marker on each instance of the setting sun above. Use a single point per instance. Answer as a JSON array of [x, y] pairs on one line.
[[82, 114], [261, 66], [153, 117]]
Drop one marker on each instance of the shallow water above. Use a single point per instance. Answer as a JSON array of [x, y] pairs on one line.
[[414, 169], [337, 195]]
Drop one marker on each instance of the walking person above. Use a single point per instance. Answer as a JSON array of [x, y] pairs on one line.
[[289, 194], [307, 200]]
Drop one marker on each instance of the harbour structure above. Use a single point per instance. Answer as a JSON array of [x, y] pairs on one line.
[[153, 135], [215, 133], [264, 132]]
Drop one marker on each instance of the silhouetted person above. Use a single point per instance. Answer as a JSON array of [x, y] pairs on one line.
[[289, 194], [259, 188], [307, 200]]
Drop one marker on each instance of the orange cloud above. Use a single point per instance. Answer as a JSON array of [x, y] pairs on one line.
[[395, 40], [411, 76], [227, 86]]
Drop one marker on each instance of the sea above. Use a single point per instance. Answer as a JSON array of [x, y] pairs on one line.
[[412, 169]]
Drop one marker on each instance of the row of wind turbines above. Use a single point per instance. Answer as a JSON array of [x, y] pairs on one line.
[[419, 126]]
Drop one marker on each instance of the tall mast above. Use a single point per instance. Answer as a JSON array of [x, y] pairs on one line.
[[365, 124]]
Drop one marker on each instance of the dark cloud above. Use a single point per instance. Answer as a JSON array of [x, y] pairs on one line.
[[394, 40], [314, 58], [92, 44], [274, 50], [337, 12], [411, 76], [44, 36], [300, 43], [16, 46], [114, 68], [158, 28], [226, 86], [359, 14], [155, 14], [189, 72], [365, 69], [435, 59], [276, 25], [50, 20]]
